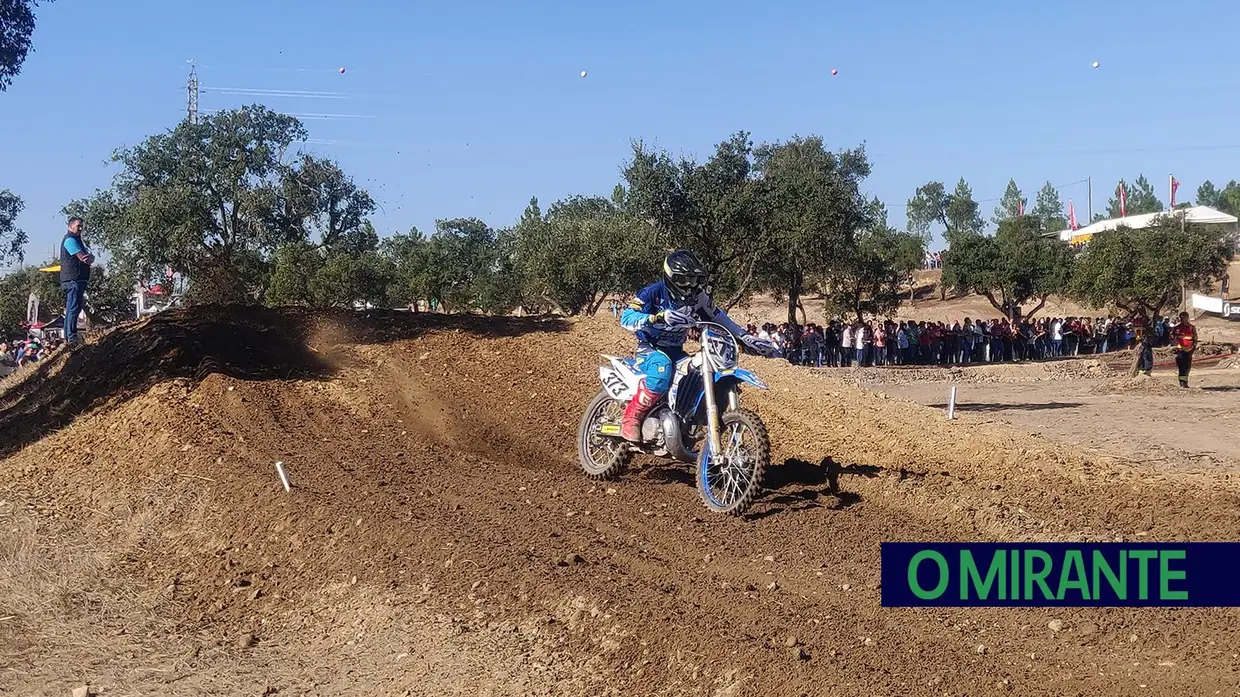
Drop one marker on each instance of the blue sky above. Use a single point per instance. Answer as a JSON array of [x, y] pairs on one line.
[[477, 106]]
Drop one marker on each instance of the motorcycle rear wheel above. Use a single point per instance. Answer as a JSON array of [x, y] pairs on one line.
[[601, 456], [728, 483]]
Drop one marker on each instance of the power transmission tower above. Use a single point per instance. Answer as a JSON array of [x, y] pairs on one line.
[[191, 96]]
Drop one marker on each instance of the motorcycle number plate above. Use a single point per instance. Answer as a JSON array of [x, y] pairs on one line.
[[614, 384]]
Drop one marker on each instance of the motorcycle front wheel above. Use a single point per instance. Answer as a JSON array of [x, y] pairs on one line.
[[730, 480], [601, 451]]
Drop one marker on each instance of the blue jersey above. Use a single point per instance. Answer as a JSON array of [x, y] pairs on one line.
[[639, 315]]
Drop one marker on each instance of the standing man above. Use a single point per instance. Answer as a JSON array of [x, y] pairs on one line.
[[75, 261], [1184, 339], [1141, 335]]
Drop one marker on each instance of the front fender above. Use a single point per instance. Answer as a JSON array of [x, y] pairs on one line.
[[744, 376], [726, 380]]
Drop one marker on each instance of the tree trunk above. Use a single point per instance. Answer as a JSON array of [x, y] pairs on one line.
[[794, 296], [555, 305], [596, 305], [804, 318]]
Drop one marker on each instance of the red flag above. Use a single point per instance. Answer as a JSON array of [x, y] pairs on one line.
[[1123, 201], [1071, 215], [1175, 184]]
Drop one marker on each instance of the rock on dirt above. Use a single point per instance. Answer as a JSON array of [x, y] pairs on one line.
[[83, 691], [1055, 625], [791, 641], [246, 641]]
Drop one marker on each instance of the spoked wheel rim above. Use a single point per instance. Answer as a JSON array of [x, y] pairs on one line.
[[729, 475], [603, 450]]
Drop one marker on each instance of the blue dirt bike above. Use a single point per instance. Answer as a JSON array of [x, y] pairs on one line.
[[728, 443]]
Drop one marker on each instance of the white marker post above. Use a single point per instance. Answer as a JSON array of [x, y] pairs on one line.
[[951, 404], [284, 477]]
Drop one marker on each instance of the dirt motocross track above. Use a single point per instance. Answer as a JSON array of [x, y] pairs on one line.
[[440, 539]]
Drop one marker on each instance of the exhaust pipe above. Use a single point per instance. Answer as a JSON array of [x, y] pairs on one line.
[[673, 440]]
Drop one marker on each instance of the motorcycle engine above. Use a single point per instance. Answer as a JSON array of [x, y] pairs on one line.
[[652, 430]]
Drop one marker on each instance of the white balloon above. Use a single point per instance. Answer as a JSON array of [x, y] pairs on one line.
[[1095, 64], [583, 73]]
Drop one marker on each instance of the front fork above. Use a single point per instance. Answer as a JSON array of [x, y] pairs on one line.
[[712, 408]]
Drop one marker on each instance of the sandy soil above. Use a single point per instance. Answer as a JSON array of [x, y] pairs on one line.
[[1146, 420], [439, 538]]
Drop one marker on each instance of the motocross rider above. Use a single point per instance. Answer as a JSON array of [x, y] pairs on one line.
[[661, 315]]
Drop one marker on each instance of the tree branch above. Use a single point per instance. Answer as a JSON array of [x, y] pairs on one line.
[[740, 291], [1036, 308], [991, 297]]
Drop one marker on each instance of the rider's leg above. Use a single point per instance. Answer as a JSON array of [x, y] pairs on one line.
[[658, 368]]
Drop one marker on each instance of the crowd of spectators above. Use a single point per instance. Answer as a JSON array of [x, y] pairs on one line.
[[885, 342], [18, 353]]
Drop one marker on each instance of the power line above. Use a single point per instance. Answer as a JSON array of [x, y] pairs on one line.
[[330, 116], [291, 93], [272, 94]]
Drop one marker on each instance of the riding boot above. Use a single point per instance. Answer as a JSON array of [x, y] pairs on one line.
[[635, 413]]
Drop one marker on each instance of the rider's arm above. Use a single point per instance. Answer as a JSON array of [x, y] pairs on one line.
[[640, 312], [716, 314]]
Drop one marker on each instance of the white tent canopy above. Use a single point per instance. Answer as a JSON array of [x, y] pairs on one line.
[[1200, 215]]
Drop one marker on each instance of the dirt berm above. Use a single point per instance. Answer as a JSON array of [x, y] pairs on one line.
[[439, 538]]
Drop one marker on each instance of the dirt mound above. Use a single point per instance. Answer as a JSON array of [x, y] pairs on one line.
[[439, 539], [1138, 384], [1166, 354]]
